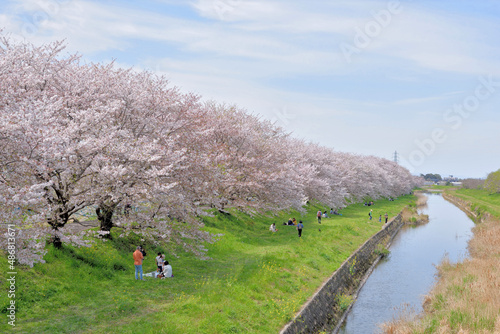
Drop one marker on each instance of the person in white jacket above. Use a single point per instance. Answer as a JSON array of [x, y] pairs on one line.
[[167, 270]]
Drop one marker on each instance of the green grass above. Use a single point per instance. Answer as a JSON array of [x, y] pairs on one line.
[[344, 301], [440, 187], [255, 282], [481, 199]]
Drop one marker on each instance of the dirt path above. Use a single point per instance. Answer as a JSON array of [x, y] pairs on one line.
[[74, 227]]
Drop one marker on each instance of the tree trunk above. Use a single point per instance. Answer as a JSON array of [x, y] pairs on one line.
[[56, 241], [58, 221], [105, 216]]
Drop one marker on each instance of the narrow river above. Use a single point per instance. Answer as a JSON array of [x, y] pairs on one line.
[[409, 271]]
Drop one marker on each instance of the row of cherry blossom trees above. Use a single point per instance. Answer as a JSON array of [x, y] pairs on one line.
[[75, 135]]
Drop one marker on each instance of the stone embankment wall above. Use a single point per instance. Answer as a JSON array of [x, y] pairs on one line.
[[321, 310]]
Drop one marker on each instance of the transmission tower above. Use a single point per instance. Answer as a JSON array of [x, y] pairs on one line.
[[396, 157]]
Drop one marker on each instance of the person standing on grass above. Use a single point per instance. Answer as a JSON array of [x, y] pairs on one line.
[[300, 226], [319, 216], [159, 262], [370, 214], [386, 217], [138, 257], [380, 219]]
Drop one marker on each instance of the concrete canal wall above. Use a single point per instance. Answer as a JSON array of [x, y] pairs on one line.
[[322, 310]]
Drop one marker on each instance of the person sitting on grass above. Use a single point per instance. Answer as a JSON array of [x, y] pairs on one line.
[[294, 221], [272, 228], [167, 270]]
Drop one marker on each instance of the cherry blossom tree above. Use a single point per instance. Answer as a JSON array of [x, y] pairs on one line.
[[79, 135], [76, 135], [250, 166]]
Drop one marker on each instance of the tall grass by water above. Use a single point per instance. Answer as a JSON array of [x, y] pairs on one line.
[[412, 215], [466, 298]]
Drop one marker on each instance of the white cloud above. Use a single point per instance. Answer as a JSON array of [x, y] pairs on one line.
[[285, 35], [237, 47]]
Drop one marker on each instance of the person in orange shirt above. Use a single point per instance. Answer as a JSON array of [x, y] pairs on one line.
[[138, 262]]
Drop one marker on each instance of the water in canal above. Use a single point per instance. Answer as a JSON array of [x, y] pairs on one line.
[[408, 273]]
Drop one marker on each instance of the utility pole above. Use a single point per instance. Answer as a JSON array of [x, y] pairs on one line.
[[396, 157]]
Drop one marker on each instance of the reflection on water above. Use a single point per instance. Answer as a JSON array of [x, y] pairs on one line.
[[407, 275]]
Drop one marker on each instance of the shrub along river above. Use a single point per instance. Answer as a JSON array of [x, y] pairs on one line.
[[401, 281]]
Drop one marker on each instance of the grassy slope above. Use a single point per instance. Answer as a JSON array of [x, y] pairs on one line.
[[255, 282], [482, 199], [441, 187]]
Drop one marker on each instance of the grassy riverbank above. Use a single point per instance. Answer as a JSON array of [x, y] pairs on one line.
[[480, 200], [466, 298], [255, 282]]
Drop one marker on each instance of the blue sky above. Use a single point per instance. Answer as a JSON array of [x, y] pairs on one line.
[[369, 77]]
